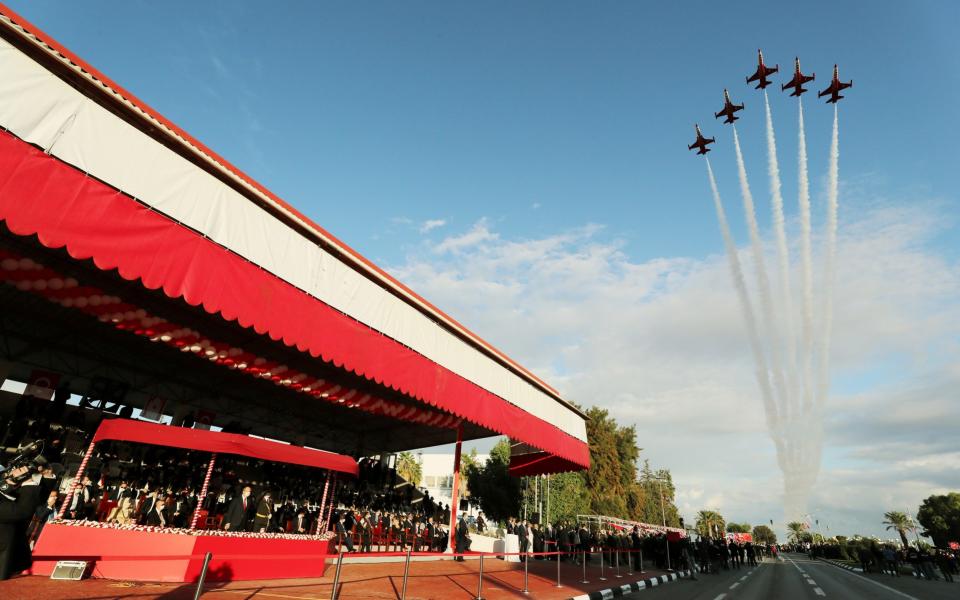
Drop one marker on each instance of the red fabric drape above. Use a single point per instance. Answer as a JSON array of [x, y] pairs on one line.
[[222, 443], [41, 195]]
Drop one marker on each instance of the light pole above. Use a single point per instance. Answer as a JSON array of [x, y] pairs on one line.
[[663, 514]]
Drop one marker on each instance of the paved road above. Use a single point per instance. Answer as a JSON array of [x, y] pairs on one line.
[[795, 577]]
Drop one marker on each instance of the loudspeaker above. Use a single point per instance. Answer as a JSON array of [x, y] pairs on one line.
[[69, 569]]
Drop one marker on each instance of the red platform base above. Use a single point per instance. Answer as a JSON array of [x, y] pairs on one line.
[[156, 556]]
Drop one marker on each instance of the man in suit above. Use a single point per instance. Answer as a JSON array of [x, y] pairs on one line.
[[462, 539], [159, 515], [238, 513], [522, 530], [344, 536], [302, 522], [432, 534], [15, 512]]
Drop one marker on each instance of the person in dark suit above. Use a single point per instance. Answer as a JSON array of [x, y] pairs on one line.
[[160, 515], [366, 532], [15, 513], [462, 538], [344, 537], [408, 531], [302, 523], [523, 532], [432, 534], [238, 513]]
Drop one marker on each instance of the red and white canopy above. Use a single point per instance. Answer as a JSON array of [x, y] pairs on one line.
[[115, 182]]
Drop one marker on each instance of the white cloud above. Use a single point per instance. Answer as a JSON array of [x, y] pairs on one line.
[[478, 234], [661, 343], [431, 224]]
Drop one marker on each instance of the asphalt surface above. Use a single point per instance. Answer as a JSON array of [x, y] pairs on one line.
[[796, 577]]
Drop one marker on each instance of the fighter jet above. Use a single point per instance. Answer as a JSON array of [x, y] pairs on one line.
[[728, 109], [762, 72], [798, 80], [835, 87], [701, 142]]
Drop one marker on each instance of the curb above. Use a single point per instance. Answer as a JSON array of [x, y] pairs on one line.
[[837, 563], [629, 588]]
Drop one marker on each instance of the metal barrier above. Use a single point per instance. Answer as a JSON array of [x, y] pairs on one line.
[[203, 575], [336, 577], [585, 555]]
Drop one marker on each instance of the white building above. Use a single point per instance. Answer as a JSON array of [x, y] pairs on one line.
[[437, 475]]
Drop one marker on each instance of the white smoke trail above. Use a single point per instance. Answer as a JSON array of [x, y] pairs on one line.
[[763, 283], [773, 418], [806, 266], [833, 192], [783, 258]]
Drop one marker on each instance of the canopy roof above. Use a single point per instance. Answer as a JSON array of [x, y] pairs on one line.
[[120, 185], [222, 443]]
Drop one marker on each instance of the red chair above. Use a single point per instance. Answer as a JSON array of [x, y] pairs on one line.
[[214, 522], [104, 509], [202, 518]]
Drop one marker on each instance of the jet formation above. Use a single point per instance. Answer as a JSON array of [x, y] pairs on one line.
[[761, 77], [701, 142], [729, 109]]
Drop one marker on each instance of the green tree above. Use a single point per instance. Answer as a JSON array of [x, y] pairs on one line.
[[498, 492], [901, 522], [796, 531], [613, 461], [652, 497], [409, 468], [738, 528], [764, 535], [568, 497], [940, 517], [710, 524]]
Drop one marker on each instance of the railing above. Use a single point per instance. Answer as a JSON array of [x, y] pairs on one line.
[[633, 559]]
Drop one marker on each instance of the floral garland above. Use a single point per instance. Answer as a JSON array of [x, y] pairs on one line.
[[195, 532]]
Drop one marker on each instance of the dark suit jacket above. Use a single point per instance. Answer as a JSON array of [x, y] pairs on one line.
[[237, 516], [14, 519]]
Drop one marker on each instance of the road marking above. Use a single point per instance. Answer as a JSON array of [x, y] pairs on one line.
[[811, 582], [744, 577], [721, 596], [734, 585], [886, 587], [819, 592]]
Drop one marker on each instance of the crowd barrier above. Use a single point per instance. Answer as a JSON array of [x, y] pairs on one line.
[[634, 559]]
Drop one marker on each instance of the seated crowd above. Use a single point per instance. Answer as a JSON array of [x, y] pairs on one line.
[[139, 484]]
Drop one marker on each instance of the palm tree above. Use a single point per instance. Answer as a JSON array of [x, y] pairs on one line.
[[795, 531], [901, 522], [710, 523], [409, 468]]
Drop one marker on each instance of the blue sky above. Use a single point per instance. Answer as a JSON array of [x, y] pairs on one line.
[[444, 140], [361, 112]]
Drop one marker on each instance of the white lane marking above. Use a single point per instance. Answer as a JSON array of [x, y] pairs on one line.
[[811, 582], [886, 587], [744, 577], [734, 585], [819, 592], [721, 596]]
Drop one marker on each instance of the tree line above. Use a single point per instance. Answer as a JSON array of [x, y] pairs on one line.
[[617, 484]]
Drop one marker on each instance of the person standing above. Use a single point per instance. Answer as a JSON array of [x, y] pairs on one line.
[[16, 510], [481, 524], [522, 530], [238, 513], [462, 538], [344, 536], [264, 514]]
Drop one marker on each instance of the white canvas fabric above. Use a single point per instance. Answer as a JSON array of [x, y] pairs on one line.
[[42, 109]]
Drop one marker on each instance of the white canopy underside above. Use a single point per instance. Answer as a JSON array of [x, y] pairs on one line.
[[40, 108]]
